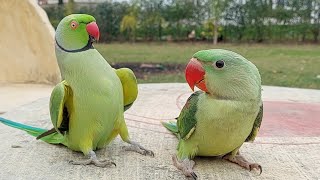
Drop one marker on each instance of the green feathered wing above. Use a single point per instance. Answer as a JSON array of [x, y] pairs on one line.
[[186, 122], [129, 86], [59, 112], [256, 126], [59, 117]]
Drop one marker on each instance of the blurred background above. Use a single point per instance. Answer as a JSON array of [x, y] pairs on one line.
[[156, 38]]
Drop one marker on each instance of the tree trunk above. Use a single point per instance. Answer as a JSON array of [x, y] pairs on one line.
[[316, 33], [133, 35], [159, 30], [70, 7], [215, 32]]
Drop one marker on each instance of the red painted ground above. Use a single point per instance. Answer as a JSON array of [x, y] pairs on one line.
[[289, 119], [281, 119], [284, 119]]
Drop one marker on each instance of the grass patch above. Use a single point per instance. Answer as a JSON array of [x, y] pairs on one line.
[[279, 65]]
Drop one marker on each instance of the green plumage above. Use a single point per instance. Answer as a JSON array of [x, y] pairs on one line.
[[171, 126], [256, 126], [187, 121], [87, 107], [219, 121], [34, 131]]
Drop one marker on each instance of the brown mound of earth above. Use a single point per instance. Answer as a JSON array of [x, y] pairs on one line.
[[26, 44]]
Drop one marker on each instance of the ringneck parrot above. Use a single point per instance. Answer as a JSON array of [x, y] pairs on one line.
[[225, 113], [87, 107]]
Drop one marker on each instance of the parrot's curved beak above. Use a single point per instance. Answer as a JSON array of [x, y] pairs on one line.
[[93, 30], [195, 75]]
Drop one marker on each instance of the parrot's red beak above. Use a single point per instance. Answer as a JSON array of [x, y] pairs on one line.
[[195, 75], [93, 30]]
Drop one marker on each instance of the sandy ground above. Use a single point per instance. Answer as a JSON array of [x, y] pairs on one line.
[[285, 155]]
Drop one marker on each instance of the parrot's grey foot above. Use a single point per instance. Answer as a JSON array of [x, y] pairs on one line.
[[93, 160], [139, 149], [186, 166], [241, 161]]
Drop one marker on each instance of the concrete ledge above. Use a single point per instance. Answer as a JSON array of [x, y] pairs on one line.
[[15, 95], [283, 156]]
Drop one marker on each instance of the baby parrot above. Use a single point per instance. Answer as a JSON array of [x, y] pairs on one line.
[[87, 107], [226, 113]]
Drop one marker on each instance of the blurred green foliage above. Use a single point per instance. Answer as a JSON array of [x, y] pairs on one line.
[[239, 20]]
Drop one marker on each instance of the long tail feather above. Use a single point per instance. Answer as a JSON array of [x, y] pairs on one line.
[[171, 126], [54, 138]]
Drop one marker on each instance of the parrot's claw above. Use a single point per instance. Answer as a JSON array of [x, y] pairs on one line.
[[193, 175], [93, 160], [255, 166], [241, 161], [139, 149], [186, 166], [101, 163]]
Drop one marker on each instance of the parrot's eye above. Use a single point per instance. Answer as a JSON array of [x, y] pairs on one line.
[[74, 25], [219, 64]]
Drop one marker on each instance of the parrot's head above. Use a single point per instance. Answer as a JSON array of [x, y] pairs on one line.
[[223, 74], [77, 31]]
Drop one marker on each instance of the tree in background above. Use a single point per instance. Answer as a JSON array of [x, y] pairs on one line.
[[235, 20], [129, 25], [70, 7], [129, 22], [315, 14], [218, 9], [109, 17], [151, 20]]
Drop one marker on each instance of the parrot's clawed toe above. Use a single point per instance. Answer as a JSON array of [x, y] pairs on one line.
[[193, 175], [186, 166], [93, 160], [103, 163], [241, 161], [139, 149], [96, 162], [255, 166]]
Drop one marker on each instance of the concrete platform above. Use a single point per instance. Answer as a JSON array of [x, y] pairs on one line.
[[15, 95], [288, 145]]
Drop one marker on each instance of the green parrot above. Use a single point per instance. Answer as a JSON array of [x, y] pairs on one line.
[[226, 113], [87, 107]]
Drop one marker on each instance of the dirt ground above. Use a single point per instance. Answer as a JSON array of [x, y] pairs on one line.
[[142, 70]]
